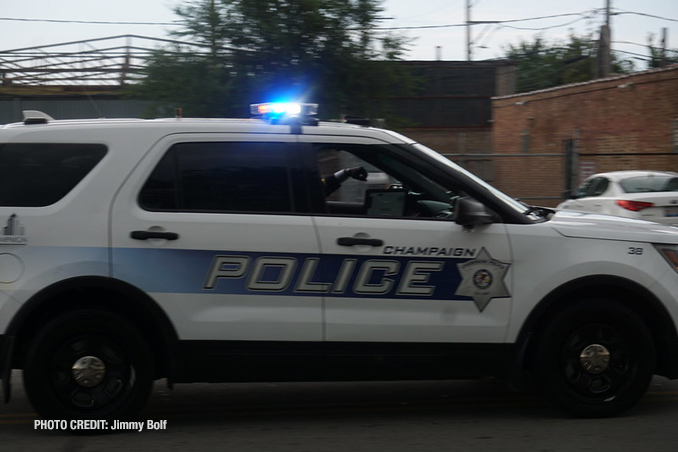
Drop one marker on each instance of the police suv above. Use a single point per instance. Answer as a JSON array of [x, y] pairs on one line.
[[281, 248]]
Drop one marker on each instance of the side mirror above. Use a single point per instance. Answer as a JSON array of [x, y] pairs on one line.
[[469, 213]]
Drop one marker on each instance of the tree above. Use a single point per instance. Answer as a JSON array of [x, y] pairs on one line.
[[659, 55], [542, 65], [324, 51]]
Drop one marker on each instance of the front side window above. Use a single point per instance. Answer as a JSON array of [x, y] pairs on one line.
[[601, 187], [369, 180], [40, 174], [592, 187], [220, 177]]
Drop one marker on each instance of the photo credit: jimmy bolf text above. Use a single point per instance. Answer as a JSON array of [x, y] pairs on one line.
[[92, 424]]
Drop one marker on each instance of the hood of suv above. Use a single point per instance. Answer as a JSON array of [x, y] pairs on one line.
[[596, 226]]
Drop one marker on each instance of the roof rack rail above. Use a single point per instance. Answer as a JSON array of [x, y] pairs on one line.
[[36, 117]]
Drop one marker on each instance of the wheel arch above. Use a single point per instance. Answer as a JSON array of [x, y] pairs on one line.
[[629, 293], [95, 292]]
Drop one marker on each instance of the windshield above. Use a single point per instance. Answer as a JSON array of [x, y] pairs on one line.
[[513, 203]]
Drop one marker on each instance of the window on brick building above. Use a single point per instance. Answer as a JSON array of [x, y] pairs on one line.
[[526, 140]]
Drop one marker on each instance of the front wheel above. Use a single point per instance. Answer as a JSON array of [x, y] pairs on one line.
[[88, 364], [596, 359]]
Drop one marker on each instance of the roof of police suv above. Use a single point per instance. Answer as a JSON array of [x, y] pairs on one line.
[[161, 127]]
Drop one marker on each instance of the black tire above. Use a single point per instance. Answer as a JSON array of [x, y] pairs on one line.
[[595, 386], [119, 391]]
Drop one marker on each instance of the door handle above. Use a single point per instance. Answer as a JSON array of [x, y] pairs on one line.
[[146, 235], [350, 241]]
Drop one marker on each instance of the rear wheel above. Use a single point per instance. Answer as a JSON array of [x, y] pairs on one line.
[[88, 364], [596, 359]]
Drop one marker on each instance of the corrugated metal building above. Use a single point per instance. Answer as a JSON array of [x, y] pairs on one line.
[[84, 107]]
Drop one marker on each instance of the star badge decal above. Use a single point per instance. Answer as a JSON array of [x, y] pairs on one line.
[[483, 279]]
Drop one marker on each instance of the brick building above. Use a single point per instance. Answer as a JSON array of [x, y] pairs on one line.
[[545, 142]]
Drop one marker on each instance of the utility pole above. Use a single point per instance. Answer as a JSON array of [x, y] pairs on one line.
[[469, 53], [665, 32], [604, 61], [469, 22]]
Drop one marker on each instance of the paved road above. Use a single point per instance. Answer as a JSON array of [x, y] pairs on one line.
[[375, 417]]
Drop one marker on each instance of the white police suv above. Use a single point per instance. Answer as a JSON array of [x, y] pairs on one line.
[[282, 248]]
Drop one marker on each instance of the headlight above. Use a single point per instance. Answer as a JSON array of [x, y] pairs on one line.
[[670, 253]]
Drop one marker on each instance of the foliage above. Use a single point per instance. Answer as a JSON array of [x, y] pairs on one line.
[[660, 57], [324, 51], [542, 65]]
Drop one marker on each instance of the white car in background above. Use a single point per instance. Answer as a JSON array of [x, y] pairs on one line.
[[644, 195]]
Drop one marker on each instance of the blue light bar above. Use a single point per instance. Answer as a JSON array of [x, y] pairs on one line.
[[280, 110]]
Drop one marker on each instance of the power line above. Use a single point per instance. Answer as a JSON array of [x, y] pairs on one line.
[[635, 13], [423, 27], [582, 15], [180, 23], [544, 28], [89, 22], [637, 56]]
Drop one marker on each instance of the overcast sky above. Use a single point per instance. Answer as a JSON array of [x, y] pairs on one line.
[[433, 23]]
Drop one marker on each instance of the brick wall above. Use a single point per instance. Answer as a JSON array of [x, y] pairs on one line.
[[628, 122], [459, 140], [470, 147]]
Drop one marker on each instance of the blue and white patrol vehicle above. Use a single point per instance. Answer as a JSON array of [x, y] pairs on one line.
[[282, 248]]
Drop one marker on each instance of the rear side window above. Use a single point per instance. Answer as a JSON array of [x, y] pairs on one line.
[[40, 174], [220, 177], [650, 184]]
